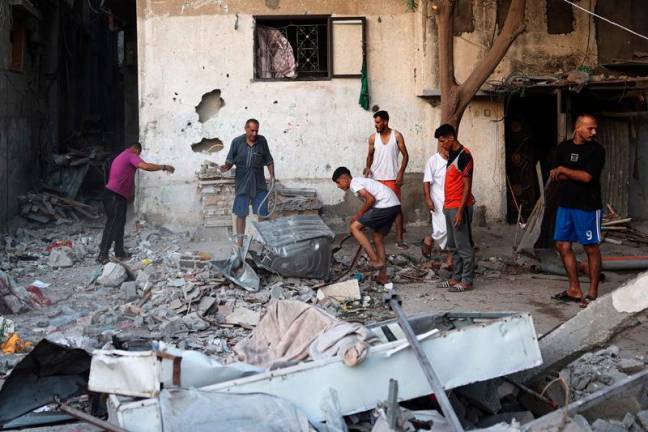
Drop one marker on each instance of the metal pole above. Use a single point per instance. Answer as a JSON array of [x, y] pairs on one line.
[[394, 303], [88, 418]]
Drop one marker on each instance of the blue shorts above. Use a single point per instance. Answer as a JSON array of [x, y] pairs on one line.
[[242, 205], [578, 226]]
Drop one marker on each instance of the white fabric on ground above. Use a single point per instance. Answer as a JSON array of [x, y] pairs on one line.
[[292, 331], [435, 171]]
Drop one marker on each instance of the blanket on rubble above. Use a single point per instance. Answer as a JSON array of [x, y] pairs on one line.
[[293, 331]]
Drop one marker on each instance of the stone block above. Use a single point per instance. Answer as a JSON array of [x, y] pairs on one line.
[[113, 275], [129, 290], [60, 257]]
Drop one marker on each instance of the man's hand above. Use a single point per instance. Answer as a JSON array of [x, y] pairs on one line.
[[223, 168], [366, 172], [556, 173], [399, 180], [168, 168], [429, 203], [458, 219]]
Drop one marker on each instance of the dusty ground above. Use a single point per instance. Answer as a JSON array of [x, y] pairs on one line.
[[514, 292]]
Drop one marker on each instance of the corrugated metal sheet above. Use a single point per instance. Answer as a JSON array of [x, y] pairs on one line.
[[614, 135]]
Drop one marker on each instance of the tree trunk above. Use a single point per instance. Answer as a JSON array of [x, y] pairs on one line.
[[454, 97]]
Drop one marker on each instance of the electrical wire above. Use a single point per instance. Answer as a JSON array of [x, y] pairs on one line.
[[274, 202], [607, 20]]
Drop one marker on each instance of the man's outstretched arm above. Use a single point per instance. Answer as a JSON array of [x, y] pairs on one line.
[[155, 167]]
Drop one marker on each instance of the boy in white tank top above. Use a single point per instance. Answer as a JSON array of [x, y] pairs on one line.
[[382, 162]]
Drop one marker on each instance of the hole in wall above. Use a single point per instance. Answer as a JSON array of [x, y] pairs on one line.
[[209, 105], [208, 145]]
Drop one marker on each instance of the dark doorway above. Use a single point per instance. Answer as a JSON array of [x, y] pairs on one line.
[[531, 130]]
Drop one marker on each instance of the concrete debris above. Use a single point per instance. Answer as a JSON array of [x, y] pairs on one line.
[[341, 291], [244, 317], [592, 326], [129, 290], [113, 275], [484, 395], [596, 370], [61, 257], [631, 366], [45, 207]]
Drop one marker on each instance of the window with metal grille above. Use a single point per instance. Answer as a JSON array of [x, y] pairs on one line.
[[308, 47]]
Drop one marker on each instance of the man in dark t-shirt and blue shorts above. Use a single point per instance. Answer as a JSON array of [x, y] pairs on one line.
[[578, 220]]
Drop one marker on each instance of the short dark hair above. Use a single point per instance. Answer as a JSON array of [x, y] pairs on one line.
[[137, 145], [445, 130], [339, 172], [251, 120], [382, 114]]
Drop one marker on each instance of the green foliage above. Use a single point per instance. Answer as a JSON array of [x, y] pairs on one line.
[[412, 5]]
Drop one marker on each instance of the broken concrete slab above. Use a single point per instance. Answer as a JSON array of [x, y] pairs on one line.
[[341, 291], [243, 316], [60, 257], [614, 401], [642, 418], [113, 275], [631, 366], [129, 290], [592, 326], [484, 395]]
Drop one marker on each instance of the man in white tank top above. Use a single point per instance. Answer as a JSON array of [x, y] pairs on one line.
[[382, 162]]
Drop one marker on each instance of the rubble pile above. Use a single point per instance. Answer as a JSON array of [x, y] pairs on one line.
[[617, 229], [596, 370], [45, 207]]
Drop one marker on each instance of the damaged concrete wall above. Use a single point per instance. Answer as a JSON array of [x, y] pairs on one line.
[[189, 49], [21, 123], [312, 126], [535, 52]]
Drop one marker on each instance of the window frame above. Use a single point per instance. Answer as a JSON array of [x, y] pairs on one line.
[[363, 22], [264, 19]]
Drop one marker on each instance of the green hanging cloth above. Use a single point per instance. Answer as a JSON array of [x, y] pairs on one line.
[[364, 91]]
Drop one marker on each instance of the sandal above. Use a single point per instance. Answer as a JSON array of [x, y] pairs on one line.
[[103, 259], [590, 298], [446, 284], [460, 287], [402, 246], [564, 297]]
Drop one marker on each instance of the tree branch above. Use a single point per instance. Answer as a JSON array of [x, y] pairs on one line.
[[514, 25], [447, 82]]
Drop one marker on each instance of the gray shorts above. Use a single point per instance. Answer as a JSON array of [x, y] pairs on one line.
[[380, 219]]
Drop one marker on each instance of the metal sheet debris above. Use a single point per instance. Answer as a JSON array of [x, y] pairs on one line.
[[50, 370], [238, 271], [297, 246], [131, 373], [484, 335]]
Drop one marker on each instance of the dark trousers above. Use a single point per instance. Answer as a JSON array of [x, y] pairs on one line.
[[460, 243], [115, 206]]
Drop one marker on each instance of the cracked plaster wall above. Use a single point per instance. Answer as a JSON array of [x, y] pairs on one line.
[[190, 47]]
